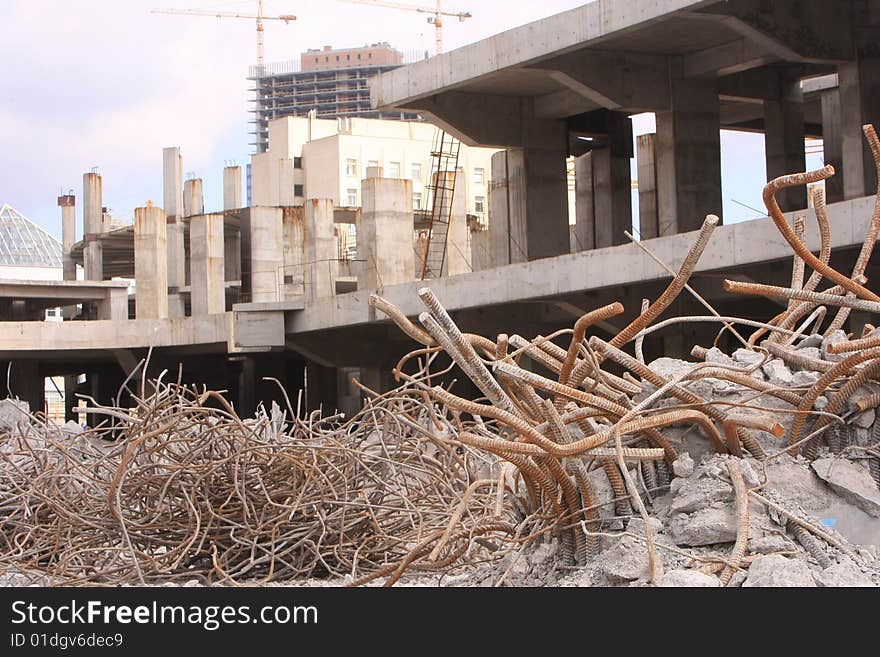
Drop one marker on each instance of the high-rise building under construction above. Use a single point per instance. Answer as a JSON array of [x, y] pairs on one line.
[[332, 83]]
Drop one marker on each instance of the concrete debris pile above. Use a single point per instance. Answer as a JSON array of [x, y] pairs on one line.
[[795, 387]]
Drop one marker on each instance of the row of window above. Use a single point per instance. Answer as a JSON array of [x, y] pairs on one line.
[[351, 169], [351, 200]]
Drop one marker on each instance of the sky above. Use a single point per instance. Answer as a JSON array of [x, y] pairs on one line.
[[106, 84]]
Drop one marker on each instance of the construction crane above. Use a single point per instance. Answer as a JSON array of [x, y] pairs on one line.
[[259, 17], [435, 18]]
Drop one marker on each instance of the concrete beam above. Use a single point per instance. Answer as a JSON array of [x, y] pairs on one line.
[[727, 59], [613, 80], [618, 267], [793, 30], [592, 24]]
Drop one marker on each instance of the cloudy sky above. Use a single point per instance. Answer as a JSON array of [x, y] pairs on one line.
[[103, 83]]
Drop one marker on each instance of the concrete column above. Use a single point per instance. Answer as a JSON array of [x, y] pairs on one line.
[[688, 152], [67, 204], [150, 263], [193, 198], [784, 138], [457, 253], [232, 188], [612, 183], [649, 226], [385, 233], [115, 305], [267, 254], [481, 258], [321, 251], [859, 105], [534, 216], [172, 183], [832, 143], [93, 253], [294, 251], [499, 216], [232, 255], [208, 292], [26, 383], [585, 213]]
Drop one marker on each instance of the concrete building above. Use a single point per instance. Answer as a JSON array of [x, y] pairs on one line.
[[328, 159], [295, 311], [329, 83]]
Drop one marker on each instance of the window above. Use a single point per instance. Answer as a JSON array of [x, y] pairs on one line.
[[297, 163], [351, 167], [480, 204], [479, 176], [417, 201], [351, 197], [394, 169], [416, 171], [373, 164], [298, 190]]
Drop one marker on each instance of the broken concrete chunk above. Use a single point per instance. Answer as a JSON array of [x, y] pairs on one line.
[[689, 579], [842, 575], [804, 379], [718, 357], [705, 527], [851, 482], [770, 544], [865, 420], [747, 357], [699, 494], [778, 571], [624, 562], [835, 338], [811, 342], [13, 412], [683, 466], [778, 373], [749, 475], [810, 352]]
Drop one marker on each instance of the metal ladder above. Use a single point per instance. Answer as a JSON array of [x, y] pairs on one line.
[[441, 189]]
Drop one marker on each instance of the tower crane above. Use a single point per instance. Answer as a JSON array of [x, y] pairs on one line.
[[259, 17], [436, 14]]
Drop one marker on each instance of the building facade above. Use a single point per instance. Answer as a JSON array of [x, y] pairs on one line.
[[330, 83], [327, 159]]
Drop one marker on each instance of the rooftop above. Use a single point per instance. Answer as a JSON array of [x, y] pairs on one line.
[[24, 244]]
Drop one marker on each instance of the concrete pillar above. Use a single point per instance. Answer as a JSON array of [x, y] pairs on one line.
[[649, 220], [93, 253], [832, 144], [612, 183], [267, 253], [232, 254], [208, 292], [193, 198], [457, 253], [26, 383], [585, 213], [385, 233], [115, 305], [294, 251], [481, 258], [784, 138], [859, 105], [150, 263], [321, 252], [67, 204], [232, 188], [500, 245], [688, 152], [172, 183]]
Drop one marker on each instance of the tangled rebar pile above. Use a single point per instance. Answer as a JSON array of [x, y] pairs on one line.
[[189, 490], [425, 479]]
